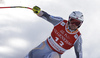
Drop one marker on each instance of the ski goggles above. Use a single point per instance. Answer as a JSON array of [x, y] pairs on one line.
[[75, 21]]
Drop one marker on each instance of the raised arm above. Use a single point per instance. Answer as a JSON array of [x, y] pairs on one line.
[[52, 19], [78, 47]]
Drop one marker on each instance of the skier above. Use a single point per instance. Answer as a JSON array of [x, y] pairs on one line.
[[64, 36]]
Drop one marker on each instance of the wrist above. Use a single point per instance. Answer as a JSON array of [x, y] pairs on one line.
[[40, 13]]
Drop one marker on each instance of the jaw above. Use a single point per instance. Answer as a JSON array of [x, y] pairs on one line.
[[72, 27]]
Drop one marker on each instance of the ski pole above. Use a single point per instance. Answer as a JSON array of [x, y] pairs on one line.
[[16, 7]]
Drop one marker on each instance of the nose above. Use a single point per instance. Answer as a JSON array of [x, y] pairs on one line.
[[74, 24]]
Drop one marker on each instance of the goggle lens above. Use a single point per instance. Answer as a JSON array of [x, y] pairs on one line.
[[74, 21]]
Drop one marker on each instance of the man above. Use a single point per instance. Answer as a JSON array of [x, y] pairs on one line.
[[64, 36]]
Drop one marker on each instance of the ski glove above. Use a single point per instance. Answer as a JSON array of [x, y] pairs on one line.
[[36, 9]]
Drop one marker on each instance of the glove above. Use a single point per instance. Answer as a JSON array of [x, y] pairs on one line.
[[36, 9]]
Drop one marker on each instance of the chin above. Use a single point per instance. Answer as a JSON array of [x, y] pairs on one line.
[[73, 28]]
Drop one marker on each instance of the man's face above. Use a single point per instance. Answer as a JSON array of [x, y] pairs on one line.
[[74, 24]]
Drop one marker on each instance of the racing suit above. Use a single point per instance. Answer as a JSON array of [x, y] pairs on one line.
[[60, 40]]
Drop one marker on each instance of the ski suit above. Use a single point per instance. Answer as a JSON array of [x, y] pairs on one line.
[[60, 40]]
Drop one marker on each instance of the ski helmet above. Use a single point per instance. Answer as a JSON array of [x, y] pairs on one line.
[[77, 15]]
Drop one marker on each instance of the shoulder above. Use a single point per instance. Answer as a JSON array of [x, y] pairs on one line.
[[79, 33], [65, 21]]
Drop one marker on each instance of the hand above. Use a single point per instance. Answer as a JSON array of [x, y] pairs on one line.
[[36, 9]]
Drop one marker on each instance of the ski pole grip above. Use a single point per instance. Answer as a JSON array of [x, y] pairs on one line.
[[36, 9]]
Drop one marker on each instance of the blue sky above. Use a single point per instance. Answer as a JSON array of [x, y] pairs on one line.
[[21, 30]]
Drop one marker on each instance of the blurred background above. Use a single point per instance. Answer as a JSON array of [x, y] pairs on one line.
[[21, 30]]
